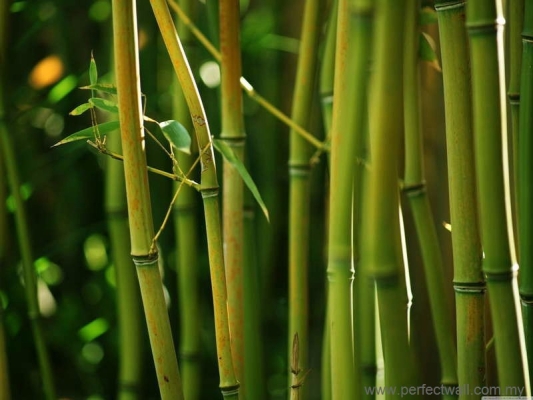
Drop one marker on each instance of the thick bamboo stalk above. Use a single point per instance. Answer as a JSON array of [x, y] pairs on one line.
[[485, 28], [469, 283], [299, 171], [234, 136], [415, 189], [209, 190], [128, 295], [143, 251], [525, 182], [187, 247], [381, 221]]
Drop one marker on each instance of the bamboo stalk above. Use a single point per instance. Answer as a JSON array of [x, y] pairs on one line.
[[525, 186], [128, 296], [187, 247], [143, 251], [381, 220], [485, 28], [209, 190], [415, 189], [469, 283], [299, 185]]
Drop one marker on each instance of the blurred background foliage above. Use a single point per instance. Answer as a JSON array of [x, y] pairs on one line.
[[47, 58]]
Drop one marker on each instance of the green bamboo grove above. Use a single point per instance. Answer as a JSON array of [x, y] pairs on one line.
[[281, 200]]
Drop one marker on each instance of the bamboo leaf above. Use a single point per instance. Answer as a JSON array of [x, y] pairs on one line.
[[93, 72], [88, 133], [102, 87], [229, 156], [103, 104], [177, 135], [81, 109], [427, 51]]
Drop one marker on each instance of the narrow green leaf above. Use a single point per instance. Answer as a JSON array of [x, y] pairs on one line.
[[427, 51], [102, 87], [177, 135], [229, 156], [81, 109], [103, 104], [93, 72], [428, 16], [89, 133]]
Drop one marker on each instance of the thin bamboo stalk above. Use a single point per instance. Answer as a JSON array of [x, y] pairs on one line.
[[234, 135], [23, 236], [209, 190], [525, 183], [128, 296], [485, 28], [469, 283], [299, 186], [187, 247], [381, 220], [415, 189], [143, 250]]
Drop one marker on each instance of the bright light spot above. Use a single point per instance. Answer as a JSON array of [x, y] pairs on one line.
[[92, 353], [46, 72], [18, 6], [95, 252], [54, 125], [210, 74], [93, 330], [100, 10], [49, 272], [167, 296], [47, 303], [62, 89], [143, 39], [4, 300], [25, 192]]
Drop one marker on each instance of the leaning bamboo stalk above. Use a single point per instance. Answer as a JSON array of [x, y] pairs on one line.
[[485, 28], [415, 189], [209, 190], [469, 283], [381, 220], [143, 250], [233, 135], [187, 247], [299, 186], [128, 297], [525, 182]]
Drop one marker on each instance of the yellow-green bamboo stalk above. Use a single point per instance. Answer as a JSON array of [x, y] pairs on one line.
[[209, 190], [143, 251], [525, 183], [234, 136], [187, 247], [299, 169], [381, 222], [485, 27], [468, 278], [415, 189], [128, 296]]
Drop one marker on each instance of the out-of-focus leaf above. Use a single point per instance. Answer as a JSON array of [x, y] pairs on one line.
[[428, 16], [89, 133], [103, 104], [81, 109], [230, 156], [427, 51], [177, 135]]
